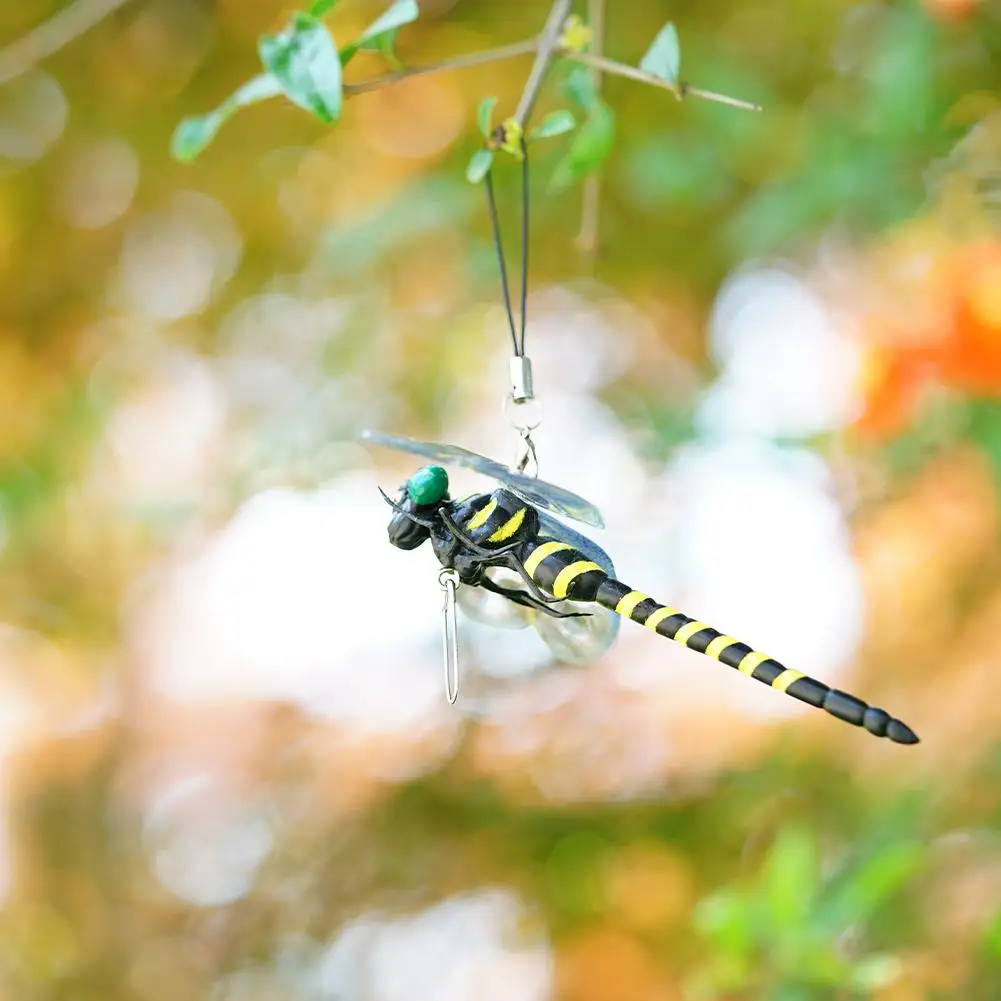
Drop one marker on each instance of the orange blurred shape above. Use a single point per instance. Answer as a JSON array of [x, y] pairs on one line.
[[957, 342], [650, 887], [916, 554], [604, 964], [957, 703], [417, 120], [951, 10], [892, 379], [974, 363]]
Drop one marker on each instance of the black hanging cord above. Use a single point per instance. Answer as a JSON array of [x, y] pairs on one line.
[[519, 349]]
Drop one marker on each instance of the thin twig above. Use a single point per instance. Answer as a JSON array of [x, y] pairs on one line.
[[546, 46], [589, 236], [458, 62], [546, 49], [680, 90], [687, 90], [52, 35]]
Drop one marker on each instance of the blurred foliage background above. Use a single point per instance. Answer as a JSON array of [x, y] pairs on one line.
[[228, 770]]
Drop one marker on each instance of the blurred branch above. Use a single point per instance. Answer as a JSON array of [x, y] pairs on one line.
[[52, 35], [546, 50], [546, 47], [458, 62], [679, 89], [589, 237]]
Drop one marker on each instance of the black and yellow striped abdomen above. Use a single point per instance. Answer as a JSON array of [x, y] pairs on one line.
[[565, 572]]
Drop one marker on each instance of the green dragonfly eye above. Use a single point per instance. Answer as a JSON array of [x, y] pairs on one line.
[[428, 485]]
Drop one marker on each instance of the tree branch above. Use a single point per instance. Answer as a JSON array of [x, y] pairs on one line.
[[52, 35], [589, 236], [458, 62], [547, 46], [680, 90]]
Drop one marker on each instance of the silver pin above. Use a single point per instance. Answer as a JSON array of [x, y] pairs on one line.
[[449, 581]]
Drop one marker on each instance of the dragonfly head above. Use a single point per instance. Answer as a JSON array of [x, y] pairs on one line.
[[417, 504]]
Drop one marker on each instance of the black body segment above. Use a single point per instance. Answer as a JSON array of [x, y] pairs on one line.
[[565, 572]]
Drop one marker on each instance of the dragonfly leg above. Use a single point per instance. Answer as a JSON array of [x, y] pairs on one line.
[[525, 599], [512, 562], [474, 547], [425, 522], [503, 556]]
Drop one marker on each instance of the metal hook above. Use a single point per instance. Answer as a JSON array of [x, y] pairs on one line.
[[448, 579], [528, 463], [524, 415]]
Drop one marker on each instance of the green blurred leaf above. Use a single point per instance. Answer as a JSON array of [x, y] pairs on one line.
[[575, 872], [380, 35], [554, 124], [983, 428], [193, 134], [857, 895], [479, 164], [304, 61], [675, 169], [726, 918], [579, 86], [663, 58], [791, 879], [320, 7], [591, 145], [395, 17], [873, 973], [992, 937], [485, 114], [900, 75]]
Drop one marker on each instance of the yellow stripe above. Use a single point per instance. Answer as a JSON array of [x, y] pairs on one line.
[[509, 527], [718, 645], [629, 602], [688, 630], [479, 519], [568, 574], [657, 616], [539, 554], [786, 678], [750, 662]]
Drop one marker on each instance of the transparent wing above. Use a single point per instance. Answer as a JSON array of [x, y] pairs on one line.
[[578, 641], [553, 498], [539, 493], [445, 454]]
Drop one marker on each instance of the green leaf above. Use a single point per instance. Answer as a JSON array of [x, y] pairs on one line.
[[866, 886], [395, 17], [580, 87], [876, 972], [304, 61], [485, 114], [663, 58], [380, 35], [554, 124], [193, 134], [479, 164], [590, 146], [791, 879], [320, 7]]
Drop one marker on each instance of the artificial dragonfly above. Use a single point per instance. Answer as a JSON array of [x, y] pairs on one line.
[[554, 572]]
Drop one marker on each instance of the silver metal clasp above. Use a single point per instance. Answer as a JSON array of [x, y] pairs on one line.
[[522, 388], [524, 413]]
